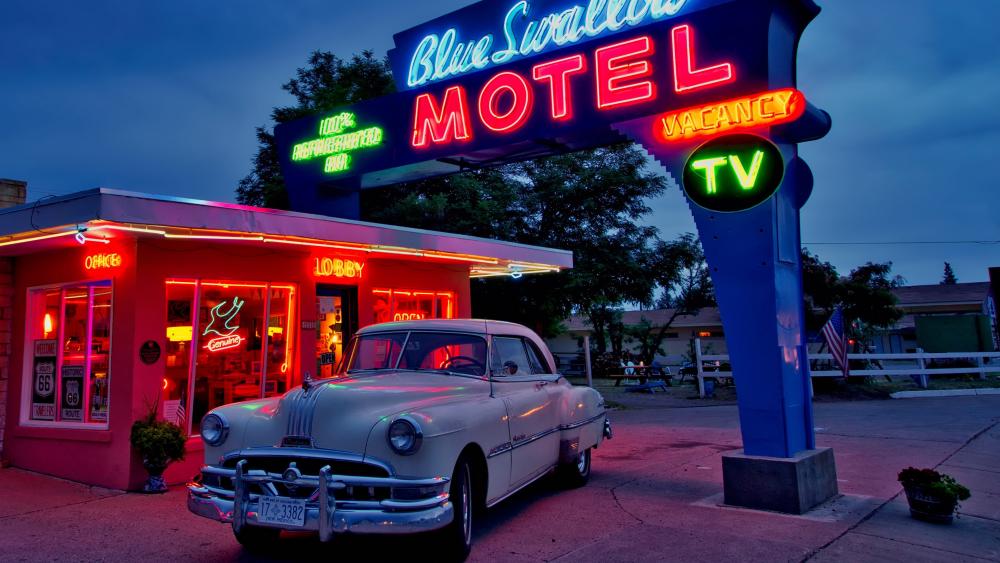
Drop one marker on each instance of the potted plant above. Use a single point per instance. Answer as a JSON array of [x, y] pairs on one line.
[[933, 496], [159, 443]]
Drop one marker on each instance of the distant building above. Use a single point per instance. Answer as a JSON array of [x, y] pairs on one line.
[[943, 318], [936, 318], [676, 345]]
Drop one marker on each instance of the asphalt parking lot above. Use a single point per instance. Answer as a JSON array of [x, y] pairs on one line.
[[655, 495]]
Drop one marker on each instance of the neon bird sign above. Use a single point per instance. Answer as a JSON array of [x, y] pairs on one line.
[[446, 56], [220, 325]]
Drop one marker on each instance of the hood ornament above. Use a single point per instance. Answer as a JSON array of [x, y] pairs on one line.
[[307, 382]]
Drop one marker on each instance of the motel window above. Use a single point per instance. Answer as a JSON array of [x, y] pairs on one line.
[[68, 348], [226, 342], [411, 305]]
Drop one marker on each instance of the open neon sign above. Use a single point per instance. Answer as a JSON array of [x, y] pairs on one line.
[[620, 73], [524, 34]]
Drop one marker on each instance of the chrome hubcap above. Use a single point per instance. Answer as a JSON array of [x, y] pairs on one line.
[[581, 463]]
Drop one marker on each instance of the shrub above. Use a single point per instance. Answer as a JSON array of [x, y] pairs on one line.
[[933, 483], [158, 442]]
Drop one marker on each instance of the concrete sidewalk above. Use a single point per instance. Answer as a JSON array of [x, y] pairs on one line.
[[655, 495]]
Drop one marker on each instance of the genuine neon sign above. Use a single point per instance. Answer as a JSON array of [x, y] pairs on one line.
[[524, 34], [336, 143], [221, 324], [621, 76]]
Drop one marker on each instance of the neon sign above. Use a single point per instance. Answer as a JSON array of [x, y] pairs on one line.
[[733, 173], [437, 57], [220, 325], [336, 143], [102, 261], [409, 317], [622, 76], [338, 268], [749, 112]]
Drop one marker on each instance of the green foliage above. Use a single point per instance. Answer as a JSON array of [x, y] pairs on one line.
[[949, 275], [326, 83], [933, 483], [588, 202], [865, 295], [158, 441]]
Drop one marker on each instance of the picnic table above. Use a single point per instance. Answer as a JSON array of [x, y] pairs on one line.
[[645, 376]]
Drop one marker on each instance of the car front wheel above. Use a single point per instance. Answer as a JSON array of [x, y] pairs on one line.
[[457, 536], [577, 473]]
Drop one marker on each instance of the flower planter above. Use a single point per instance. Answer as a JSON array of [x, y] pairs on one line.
[[929, 507]]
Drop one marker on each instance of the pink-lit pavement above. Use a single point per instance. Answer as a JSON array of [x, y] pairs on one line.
[[654, 496]]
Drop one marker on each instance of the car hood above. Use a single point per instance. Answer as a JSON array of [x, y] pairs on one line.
[[339, 414]]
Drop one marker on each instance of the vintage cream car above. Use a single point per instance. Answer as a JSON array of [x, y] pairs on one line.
[[428, 423]]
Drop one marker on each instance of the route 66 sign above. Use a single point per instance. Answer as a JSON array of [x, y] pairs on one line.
[[71, 406], [43, 381]]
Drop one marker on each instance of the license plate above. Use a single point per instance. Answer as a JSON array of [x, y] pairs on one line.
[[283, 511]]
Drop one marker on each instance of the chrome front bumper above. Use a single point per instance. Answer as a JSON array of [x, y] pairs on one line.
[[324, 514]]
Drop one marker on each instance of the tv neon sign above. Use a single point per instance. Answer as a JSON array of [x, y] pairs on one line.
[[102, 261], [621, 75], [221, 325], [438, 57], [338, 268], [336, 143]]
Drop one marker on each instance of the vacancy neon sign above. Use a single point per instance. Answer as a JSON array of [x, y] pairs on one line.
[[620, 74]]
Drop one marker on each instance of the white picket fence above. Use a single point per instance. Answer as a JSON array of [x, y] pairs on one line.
[[707, 365]]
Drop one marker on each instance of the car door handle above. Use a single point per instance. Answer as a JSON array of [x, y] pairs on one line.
[[540, 384]]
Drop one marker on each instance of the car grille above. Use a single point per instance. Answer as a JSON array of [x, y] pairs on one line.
[[308, 466]]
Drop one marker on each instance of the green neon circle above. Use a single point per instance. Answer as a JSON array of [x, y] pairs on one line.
[[733, 173]]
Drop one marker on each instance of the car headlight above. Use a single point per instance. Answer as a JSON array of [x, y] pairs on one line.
[[404, 436], [214, 429]]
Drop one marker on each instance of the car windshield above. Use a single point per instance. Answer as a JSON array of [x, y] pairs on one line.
[[456, 353]]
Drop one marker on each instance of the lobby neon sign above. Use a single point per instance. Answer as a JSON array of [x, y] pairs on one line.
[[438, 57], [326, 267], [621, 76]]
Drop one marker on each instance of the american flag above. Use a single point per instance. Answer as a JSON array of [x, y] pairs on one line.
[[833, 333], [182, 411]]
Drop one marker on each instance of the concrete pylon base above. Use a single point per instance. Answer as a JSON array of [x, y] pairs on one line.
[[792, 485]]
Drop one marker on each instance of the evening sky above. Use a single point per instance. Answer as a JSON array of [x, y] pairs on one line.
[[163, 97]]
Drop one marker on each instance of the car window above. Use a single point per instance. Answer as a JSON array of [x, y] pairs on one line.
[[376, 351], [509, 357], [538, 365], [459, 353]]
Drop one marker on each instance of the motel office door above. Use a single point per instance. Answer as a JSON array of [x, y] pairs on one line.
[[336, 322]]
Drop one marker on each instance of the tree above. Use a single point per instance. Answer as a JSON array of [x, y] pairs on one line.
[[949, 275], [326, 83], [865, 296], [682, 274], [588, 202]]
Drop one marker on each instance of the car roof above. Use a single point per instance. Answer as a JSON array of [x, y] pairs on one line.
[[476, 326]]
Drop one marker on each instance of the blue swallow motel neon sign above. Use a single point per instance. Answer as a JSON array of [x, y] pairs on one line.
[[438, 57]]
